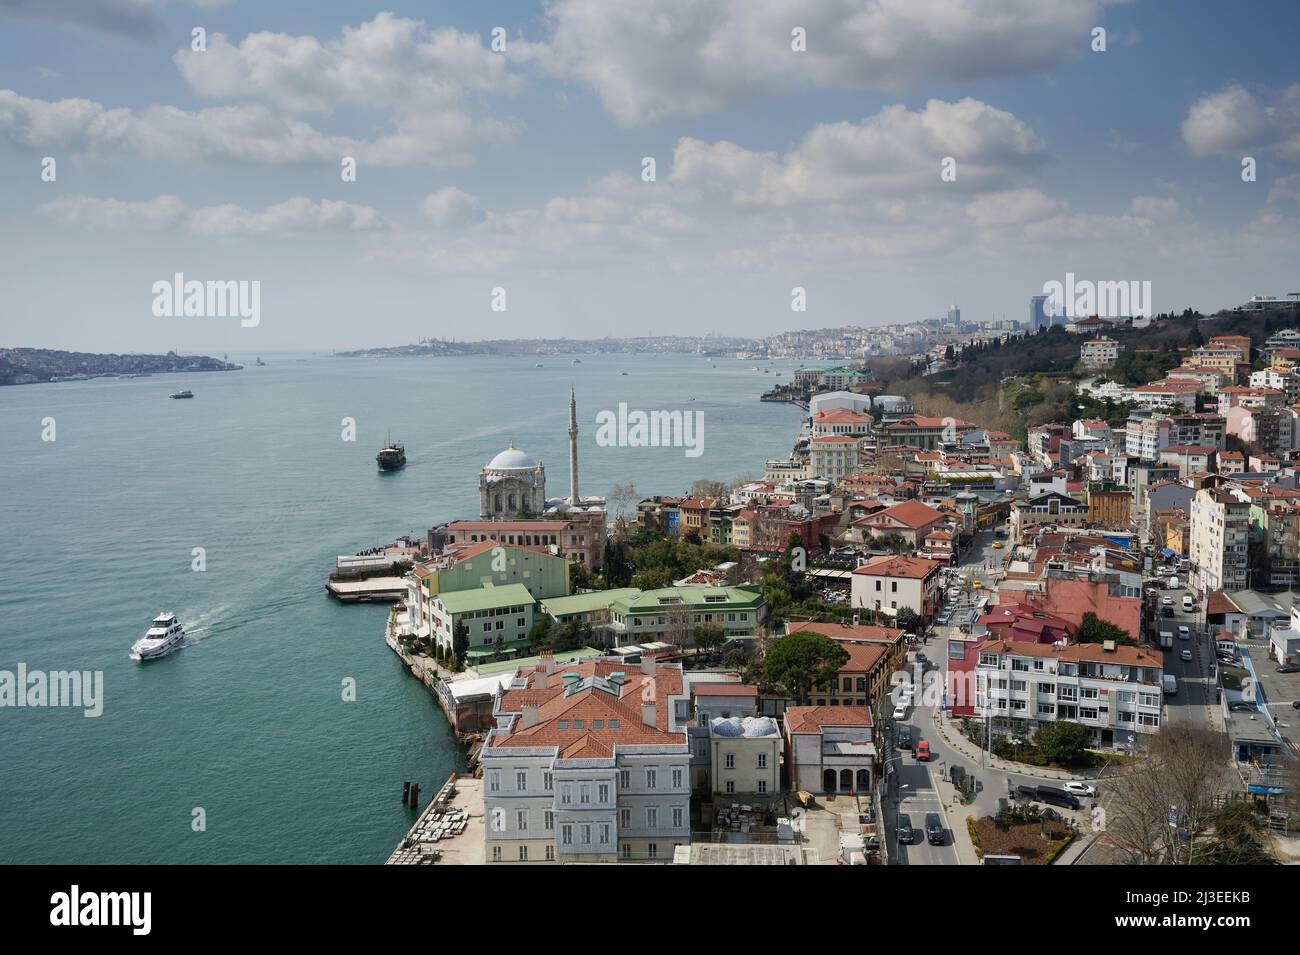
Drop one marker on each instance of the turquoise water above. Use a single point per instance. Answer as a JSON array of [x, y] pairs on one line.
[[248, 721]]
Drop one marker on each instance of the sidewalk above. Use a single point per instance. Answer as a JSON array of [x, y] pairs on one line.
[[951, 735], [957, 814]]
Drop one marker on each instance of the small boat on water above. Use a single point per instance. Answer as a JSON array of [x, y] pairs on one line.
[[164, 635], [392, 457], [181, 394], [538, 365], [576, 361]]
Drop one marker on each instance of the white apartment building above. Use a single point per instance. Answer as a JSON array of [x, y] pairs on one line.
[[588, 764], [1099, 353], [889, 584], [1220, 536], [1114, 690], [1146, 435], [830, 457]]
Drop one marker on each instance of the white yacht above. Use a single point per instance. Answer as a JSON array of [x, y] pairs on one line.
[[164, 635]]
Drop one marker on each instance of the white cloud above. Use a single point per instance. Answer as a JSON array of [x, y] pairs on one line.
[[665, 58], [450, 207], [1013, 207], [87, 212], [246, 133], [1156, 208], [296, 215], [895, 149], [1237, 118]]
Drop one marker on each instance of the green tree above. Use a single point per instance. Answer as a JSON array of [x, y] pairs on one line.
[[1095, 630], [709, 636], [802, 660], [539, 636], [908, 619], [460, 643], [1064, 743]]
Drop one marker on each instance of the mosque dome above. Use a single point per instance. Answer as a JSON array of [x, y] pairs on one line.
[[512, 459]]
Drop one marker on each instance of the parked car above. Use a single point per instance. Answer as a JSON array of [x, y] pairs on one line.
[[900, 712], [1166, 611], [905, 737], [1080, 789], [1057, 797], [922, 751], [905, 833], [1185, 654], [1295, 704], [1289, 668], [1188, 606], [1167, 601], [934, 831]]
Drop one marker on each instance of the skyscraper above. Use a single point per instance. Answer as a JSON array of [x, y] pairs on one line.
[[1038, 314]]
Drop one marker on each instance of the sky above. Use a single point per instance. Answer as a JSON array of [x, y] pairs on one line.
[[796, 144]]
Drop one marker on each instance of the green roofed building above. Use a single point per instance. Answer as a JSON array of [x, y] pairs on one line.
[[672, 613], [497, 619]]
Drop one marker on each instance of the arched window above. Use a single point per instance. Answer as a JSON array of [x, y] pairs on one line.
[[846, 779]]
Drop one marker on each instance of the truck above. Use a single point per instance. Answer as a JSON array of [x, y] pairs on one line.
[[1166, 639], [1171, 684]]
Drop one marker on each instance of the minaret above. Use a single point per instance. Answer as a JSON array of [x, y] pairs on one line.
[[573, 448]]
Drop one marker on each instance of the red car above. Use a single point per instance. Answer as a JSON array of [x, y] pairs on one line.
[[922, 752]]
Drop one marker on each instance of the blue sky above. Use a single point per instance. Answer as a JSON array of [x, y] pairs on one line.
[[521, 170]]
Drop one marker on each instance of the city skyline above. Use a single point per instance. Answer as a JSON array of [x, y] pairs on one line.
[[776, 168]]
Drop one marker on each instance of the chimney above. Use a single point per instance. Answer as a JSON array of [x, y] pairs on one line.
[[648, 714], [529, 717], [548, 661], [541, 679], [648, 665]]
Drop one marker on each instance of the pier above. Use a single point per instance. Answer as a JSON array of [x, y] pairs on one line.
[[450, 830], [367, 589]]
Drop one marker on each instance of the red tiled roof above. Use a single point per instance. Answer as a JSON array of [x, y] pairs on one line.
[[886, 565], [811, 719]]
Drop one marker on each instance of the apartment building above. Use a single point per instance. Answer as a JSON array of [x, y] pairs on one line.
[[888, 584], [590, 764], [875, 654], [1099, 352], [1220, 537], [832, 456], [1146, 435], [1114, 690]]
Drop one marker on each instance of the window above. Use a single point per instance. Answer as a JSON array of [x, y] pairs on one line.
[[730, 761], [652, 818], [566, 835], [498, 820], [762, 785], [548, 820], [651, 779], [762, 760], [677, 817], [566, 794], [550, 853], [653, 850], [496, 853], [602, 792], [547, 781], [677, 779], [584, 794], [624, 778], [604, 833], [521, 820], [494, 781], [586, 833], [625, 818], [627, 850], [523, 853], [731, 786], [521, 781]]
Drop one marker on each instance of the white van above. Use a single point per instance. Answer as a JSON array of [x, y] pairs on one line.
[[1188, 605], [1171, 684], [1172, 583]]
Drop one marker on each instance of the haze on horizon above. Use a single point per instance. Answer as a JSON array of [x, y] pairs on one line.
[[522, 169]]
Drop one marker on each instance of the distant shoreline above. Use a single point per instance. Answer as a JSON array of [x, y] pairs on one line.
[[34, 366]]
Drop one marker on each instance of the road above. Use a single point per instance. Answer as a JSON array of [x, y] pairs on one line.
[[1194, 702]]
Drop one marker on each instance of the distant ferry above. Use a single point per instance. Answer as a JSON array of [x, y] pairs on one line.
[[577, 361], [538, 365], [164, 635], [392, 457], [182, 394]]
